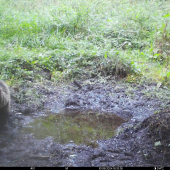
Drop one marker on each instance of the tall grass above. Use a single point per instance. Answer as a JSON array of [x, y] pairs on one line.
[[74, 37]]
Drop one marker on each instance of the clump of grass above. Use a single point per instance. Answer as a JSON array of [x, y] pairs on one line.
[[81, 38]]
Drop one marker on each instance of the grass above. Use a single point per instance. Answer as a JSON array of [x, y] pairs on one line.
[[81, 39]]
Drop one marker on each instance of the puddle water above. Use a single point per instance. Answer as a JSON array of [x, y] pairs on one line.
[[79, 127]]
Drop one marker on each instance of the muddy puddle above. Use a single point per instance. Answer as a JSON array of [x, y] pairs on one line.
[[79, 127], [83, 134]]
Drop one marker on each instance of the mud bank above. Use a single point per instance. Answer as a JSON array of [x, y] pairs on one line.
[[139, 142]]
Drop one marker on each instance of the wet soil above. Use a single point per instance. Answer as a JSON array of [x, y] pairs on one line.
[[143, 140]]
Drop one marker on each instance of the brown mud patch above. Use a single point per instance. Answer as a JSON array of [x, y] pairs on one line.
[[142, 141]]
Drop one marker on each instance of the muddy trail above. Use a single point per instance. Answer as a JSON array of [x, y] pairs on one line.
[[138, 114]]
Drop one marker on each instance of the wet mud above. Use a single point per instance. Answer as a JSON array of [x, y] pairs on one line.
[[141, 140]]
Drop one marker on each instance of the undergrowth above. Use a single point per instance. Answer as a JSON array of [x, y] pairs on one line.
[[126, 38]]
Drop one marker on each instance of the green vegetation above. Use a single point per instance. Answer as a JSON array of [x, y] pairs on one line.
[[76, 38]]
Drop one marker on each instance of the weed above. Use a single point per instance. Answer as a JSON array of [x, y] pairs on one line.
[[84, 39]]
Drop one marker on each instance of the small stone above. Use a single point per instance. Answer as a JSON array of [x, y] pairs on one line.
[[18, 113], [157, 143], [72, 156]]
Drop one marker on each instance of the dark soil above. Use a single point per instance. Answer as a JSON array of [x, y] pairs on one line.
[[144, 140]]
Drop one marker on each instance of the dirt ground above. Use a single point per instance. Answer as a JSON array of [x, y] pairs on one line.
[[143, 141]]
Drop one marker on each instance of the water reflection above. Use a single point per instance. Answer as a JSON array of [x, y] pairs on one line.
[[80, 127]]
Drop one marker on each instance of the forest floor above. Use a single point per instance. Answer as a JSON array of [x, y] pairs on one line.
[[143, 140]]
